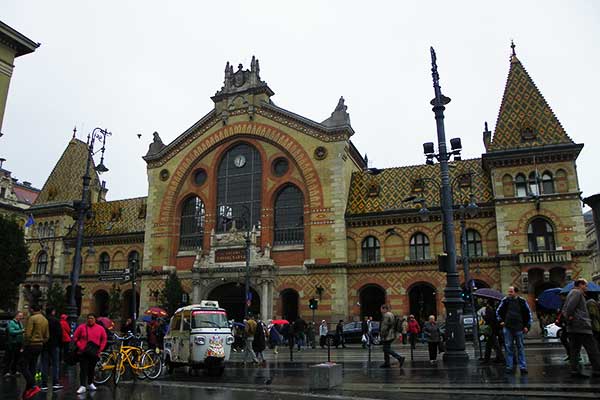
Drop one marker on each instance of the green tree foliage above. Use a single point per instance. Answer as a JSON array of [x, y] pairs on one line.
[[56, 298], [172, 293], [14, 261], [114, 302]]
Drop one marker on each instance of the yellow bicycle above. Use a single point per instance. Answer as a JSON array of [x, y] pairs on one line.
[[142, 363]]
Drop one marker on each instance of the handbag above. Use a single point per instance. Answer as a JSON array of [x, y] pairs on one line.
[[71, 355], [91, 349], [441, 347]]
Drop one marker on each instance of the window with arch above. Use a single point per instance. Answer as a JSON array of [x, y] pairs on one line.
[[521, 185], [474, 245], [191, 228], [239, 179], [419, 247], [104, 262], [534, 184], [370, 249], [133, 259], [42, 263], [289, 216], [547, 183], [540, 235]]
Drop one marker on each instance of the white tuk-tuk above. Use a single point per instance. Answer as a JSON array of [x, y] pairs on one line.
[[199, 337]]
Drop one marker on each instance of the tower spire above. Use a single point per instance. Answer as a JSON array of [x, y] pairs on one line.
[[512, 46], [74, 131]]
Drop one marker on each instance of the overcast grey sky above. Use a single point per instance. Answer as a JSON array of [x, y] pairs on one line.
[[144, 66]]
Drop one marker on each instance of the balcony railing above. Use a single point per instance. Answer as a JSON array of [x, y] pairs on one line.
[[545, 257], [289, 236]]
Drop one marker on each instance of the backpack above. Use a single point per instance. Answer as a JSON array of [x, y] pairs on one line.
[[397, 325]]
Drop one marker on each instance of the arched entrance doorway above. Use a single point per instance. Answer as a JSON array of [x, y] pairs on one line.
[[231, 297], [422, 300], [290, 300], [101, 307], [371, 298], [127, 305]]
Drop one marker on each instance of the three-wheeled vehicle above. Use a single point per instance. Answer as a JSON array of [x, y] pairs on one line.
[[199, 337]]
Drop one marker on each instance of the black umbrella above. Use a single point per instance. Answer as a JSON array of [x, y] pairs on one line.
[[488, 293]]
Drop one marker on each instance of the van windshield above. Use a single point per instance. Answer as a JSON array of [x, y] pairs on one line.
[[209, 319]]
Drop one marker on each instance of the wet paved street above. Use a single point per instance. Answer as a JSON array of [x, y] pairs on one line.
[[282, 379]]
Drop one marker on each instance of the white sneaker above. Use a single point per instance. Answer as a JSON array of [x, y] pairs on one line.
[[81, 390], [92, 387]]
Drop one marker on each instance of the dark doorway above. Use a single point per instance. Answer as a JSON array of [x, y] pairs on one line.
[[372, 297], [101, 303], [289, 304], [127, 305], [422, 298], [231, 297]]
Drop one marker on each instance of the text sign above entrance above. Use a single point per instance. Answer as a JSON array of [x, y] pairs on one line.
[[230, 255]]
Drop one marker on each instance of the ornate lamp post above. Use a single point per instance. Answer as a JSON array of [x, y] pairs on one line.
[[82, 208]]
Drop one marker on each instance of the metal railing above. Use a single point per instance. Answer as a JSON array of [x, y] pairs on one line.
[[285, 236], [545, 257]]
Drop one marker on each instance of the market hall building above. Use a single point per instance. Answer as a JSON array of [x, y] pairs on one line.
[[321, 224]]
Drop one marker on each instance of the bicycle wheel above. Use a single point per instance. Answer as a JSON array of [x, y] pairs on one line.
[[104, 367], [151, 364], [119, 370], [136, 359]]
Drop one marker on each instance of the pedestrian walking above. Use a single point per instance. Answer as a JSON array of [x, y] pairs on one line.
[[413, 330], [364, 330], [299, 329], [259, 343], [275, 338], [594, 311], [339, 335], [51, 351], [323, 330], [14, 343], [433, 337], [388, 332], [90, 339], [515, 318], [35, 335], [66, 335], [310, 335], [249, 332], [404, 330], [564, 335], [580, 331], [491, 331]]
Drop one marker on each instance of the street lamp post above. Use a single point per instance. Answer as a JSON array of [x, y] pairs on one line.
[[82, 207], [452, 298]]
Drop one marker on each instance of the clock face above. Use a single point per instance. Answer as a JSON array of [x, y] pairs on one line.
[[239, 161]]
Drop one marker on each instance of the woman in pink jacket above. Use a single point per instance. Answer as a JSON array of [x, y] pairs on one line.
[[89, 332]]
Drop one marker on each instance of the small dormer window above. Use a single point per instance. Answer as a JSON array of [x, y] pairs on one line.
[[528, 133], [373, 189], [418, 185]]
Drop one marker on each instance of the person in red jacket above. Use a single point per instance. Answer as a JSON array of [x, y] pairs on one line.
[[94, 333], [413, 330], [66, 334]]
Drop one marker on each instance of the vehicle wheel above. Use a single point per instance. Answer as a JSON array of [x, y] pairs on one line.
[[151, 364], [104, 367], [119, 370], [558, 333]]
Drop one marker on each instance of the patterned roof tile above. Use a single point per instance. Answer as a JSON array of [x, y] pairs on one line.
[[117, 217]]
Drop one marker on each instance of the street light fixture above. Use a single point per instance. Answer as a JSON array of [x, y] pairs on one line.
[[82, 208]]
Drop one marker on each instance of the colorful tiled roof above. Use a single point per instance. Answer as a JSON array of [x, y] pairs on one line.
[[525, 119], [65, 183], [370, 193], [117, 217]]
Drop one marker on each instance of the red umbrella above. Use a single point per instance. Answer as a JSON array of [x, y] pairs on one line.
[[280, 322], [106, 322], [156, 311]]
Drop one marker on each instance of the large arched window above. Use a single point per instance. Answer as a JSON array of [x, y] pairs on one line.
[[191, 228], [521, 185], [534, 187], [547, 183], [42, 263], [370, 249], [104, 262], [540, 235], [289, 216], [419, 247], [238, 188], [474, 247], [133, 259]]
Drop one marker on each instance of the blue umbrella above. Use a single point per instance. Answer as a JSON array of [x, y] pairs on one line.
[[550, 299], [592, 287]]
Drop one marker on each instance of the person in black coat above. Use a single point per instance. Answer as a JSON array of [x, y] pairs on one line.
[[51, 350], [259, 343]]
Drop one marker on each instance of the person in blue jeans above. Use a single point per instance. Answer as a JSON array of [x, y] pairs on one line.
[[515, 318]]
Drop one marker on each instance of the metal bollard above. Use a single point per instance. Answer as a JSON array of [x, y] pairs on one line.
[[328, 350], [291, 348], [370, 345]]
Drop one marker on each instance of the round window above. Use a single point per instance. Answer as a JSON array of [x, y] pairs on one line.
[[200, 177], [280, 166], [164, 174]]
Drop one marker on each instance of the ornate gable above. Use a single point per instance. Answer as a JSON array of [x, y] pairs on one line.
[[525, 119]]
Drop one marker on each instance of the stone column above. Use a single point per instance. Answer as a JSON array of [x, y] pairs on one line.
[[264, 300]]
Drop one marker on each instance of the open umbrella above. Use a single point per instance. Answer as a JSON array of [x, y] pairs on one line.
[[106, 322], [156, 311], [488, 293], [280, 322], [550, 299], [591, 287]]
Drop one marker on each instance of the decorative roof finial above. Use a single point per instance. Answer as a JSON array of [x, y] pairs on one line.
[[74, 131], [486, 126], [512, 46]]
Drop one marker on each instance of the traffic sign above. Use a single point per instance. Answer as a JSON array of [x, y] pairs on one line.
[[111, 278]]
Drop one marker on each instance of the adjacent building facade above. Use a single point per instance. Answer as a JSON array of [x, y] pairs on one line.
[[253, 181]]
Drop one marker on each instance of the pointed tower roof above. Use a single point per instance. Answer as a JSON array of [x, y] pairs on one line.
[[65, 182], [525, 119]]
